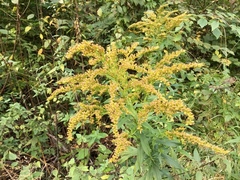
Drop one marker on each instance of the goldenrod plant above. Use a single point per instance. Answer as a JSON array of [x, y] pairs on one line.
[[141, 115]]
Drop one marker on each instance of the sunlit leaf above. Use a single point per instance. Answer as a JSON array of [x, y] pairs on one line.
[[196, 156], [202, 22], [214, 25], [217, 33], [99, 12], [3, 31], [105, 177], [15, 1], [199, 175], [40, 51], [41, 36], [30, 16], [12, 156], [28, 28]]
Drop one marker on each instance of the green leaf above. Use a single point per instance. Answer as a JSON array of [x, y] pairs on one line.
[[170, 161], [30, 16], [177, 37], [217, 33], [12, 156], [47, 43], [84, 168], [28, 28], [199, 175], [119, 8], [139, 161], [130, 152], [214, 25], [99, 12], [144, 144], [196, 156], [3, 31], [15, 1], [191, 77], [82, 153], [237, 140], [202, 22], [229, 166]]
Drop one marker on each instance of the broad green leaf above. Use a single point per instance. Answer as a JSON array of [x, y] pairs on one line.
[[25, 173], [238, 31], [12, 156], [55, 172], [84, 168], [214, 25], [76, 174], [202, 22], [139, 161], [199, 175], [130, 152], [217, 33], [82, 153], [170, 161], [177, 37], [196, 156], [119, 8], [191, 77], [3, 31], [229, 166], [145, 145]]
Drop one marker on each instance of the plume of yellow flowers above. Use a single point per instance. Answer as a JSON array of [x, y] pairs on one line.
[[121, 86], [185, 137], [110, 76], [158, 25]]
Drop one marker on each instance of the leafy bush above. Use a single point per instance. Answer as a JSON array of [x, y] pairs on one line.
[[123, 92], [34, 39]]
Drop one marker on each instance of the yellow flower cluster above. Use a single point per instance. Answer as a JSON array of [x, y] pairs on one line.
[[87, 48], [155, 25], [87, 113], [122, 87], [121, 142], [196, 140], [111, 75]]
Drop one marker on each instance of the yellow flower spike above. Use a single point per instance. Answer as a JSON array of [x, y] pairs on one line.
[[121, 142], [185, 137]]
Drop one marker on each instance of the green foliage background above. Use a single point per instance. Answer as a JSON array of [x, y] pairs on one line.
[[34, 39]]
